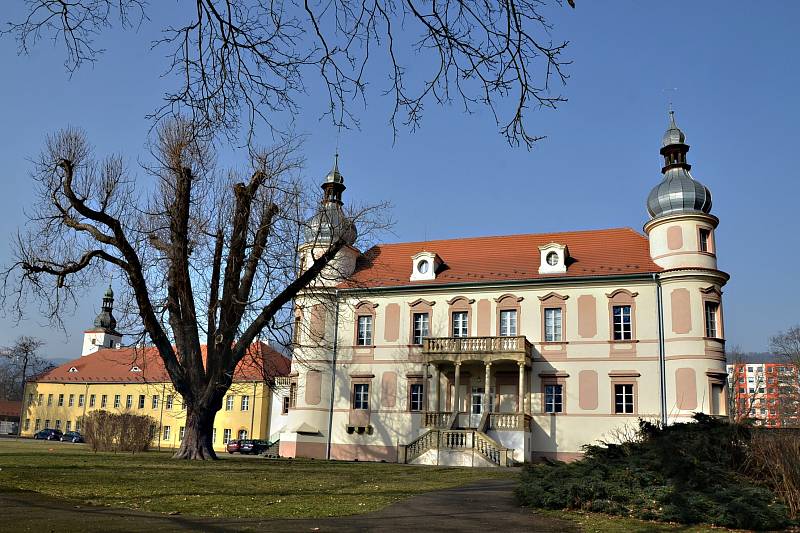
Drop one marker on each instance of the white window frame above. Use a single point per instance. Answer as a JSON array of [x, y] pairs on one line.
[[622, 320], [167, 432], [364, 336], [421, 327], [226, 436], [712, 319], [361, 396], [117, 401], [229, 403], [416, 397], [553, 324], [242, 434], [508, 322], [624, 399], [245, 402], [460, 323]]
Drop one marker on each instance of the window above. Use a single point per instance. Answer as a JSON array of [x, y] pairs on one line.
[[508, 323], [71, 400], [41, 399], [47, 423], [292, 395], [226, 436], [214, 435], [285, 408], [27, 424], [705, 237], [181, 433], [460, 323], [712, 309], [229, 403], [91, 400], [58, 424], [623, 398], [116, 401], [30, 398], [421, 327], [183, 404], [103, 401], [155, 401], [128, 401], [69, 425], [552, 324], [49, 400], [364, 330], [80, 400], [141, 401], [38, 424], [553, 398], [361, 396], [242, 434], [169, 401], [245, 402], [415, 397], [167, 430], [622, 323]]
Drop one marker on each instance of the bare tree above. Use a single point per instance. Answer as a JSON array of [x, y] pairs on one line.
[[787, 345], [18, 362], [206, 257], [235, 61]]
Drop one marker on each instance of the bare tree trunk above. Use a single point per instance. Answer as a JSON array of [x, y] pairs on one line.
[[196, 443]]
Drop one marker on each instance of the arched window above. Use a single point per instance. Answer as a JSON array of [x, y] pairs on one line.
[[242, 434]]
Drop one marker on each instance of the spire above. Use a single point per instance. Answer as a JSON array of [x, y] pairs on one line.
[[105, 319], [673, 147], [333, 184]]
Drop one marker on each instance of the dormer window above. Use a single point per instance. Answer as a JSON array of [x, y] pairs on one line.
[[553, 258], [424, 266], [72, 370], [136, 369]]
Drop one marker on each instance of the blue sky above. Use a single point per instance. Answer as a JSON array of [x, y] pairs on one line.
[[734, 65]]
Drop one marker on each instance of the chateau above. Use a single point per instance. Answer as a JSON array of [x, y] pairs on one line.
[[491, 351]]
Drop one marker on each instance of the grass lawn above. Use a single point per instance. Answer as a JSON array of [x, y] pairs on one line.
[[233, 487]]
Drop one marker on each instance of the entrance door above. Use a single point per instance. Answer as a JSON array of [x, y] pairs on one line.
[[476, 407]]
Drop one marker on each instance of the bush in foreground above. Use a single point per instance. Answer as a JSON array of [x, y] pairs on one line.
[[687, 473], [118, 432]]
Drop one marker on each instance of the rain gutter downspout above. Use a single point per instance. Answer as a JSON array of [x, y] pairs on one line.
[[662, 363], [333, 374]]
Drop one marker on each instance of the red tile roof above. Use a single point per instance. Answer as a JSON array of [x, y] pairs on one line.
[[514, 257], [10, 409], [113, 365]]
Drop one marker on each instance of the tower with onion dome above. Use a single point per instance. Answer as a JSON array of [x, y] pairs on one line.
[[104, 332]]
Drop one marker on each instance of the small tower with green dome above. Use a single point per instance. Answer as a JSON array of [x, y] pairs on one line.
[[104, 332]]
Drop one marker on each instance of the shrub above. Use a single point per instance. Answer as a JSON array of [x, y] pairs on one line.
[[774, 458], [123, 432], [687, 473]]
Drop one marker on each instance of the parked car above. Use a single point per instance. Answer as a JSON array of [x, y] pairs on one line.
[[253, 446], [48, 434], [233, 446], [72, 436]]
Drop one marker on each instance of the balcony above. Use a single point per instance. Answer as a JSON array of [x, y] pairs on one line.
[[485, 349]]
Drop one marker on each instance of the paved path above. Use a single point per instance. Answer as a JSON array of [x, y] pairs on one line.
[[486, 506]]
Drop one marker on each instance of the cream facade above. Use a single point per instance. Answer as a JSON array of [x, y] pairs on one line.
[[495, 351]]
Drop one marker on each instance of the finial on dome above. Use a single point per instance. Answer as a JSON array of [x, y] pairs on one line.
[[673, 135], [334, 176]]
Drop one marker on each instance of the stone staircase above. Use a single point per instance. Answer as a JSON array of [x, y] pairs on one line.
[[448, 445]]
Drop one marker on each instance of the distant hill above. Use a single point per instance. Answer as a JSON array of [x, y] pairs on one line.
[[756, 357]]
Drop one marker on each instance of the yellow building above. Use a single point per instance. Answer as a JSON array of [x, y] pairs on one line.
[[110, 377]]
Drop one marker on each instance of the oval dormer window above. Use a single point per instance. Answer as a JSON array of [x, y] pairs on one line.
[[552, 259], [136, 369], [423, 266], [72, 370]]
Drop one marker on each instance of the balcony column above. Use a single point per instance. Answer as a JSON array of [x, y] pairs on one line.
[[486, 387], [456, 404], [521, 394], [438, 389], [426, 387]]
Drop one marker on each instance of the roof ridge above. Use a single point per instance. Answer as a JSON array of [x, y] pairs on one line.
[[455, 239]]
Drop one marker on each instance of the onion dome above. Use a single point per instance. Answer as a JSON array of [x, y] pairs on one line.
[[678, 191], [329, 224], [105, 319]]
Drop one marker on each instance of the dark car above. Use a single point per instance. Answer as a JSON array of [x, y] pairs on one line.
[[72, 436], [233, 446], [253, 446], [48, 434]]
